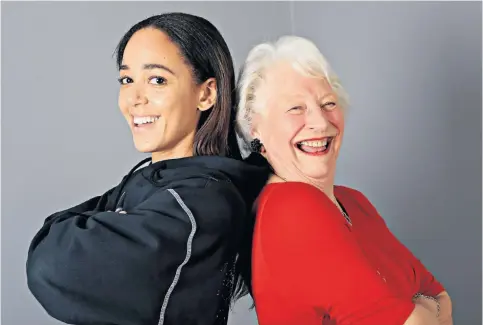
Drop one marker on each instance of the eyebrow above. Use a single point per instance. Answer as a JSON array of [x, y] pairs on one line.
[[150, 66], [328, 95]]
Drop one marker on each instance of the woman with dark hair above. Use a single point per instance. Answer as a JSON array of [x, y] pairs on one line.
[[160, 247]]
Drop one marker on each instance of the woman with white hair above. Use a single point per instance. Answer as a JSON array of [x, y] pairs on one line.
[[321, 253]]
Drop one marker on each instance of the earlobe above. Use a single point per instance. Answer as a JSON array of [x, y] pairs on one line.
[[255, 134], [208, 94], [256, 145]]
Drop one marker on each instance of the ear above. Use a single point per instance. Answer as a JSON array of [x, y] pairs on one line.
[[208, 94], [255, 132]]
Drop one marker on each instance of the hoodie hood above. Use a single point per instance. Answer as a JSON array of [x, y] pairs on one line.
[[249, 176]]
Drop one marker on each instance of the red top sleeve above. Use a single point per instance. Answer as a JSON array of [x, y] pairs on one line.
[[309, 250], [428, 285]]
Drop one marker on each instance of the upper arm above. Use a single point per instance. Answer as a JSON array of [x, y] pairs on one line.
[[429, 285], [312, 253], [121, 265]]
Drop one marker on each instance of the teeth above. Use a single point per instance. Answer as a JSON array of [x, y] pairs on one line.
[[321, 143], [145, 119]]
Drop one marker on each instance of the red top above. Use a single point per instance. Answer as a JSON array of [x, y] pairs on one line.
[[311, 267]]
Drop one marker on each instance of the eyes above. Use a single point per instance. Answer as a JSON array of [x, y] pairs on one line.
[[154, 80], [328, 106], [124, 80], [157, 80]]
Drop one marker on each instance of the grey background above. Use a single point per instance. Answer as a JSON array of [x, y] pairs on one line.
[[412, 145]]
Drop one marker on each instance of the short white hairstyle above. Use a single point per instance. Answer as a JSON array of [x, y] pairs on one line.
[[304, 56]]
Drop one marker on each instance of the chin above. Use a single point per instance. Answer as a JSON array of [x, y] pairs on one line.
[[145, 147], [318, 172], [144, 150]]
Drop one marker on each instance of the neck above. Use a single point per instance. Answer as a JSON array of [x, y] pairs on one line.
[[327, 186], [328, 189]]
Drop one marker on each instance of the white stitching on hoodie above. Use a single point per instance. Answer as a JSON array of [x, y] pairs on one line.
[[186, 259]]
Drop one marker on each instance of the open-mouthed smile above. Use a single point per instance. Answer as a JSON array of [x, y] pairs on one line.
[[315, 147], [141, 122]]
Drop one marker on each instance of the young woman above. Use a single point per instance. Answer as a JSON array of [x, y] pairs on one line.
[[322, 254], [160, 247]]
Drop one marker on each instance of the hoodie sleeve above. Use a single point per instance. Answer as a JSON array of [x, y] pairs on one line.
[[113, 268], [97, 203]]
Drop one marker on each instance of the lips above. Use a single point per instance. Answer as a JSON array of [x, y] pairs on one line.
[[315, 146], [144, 120]]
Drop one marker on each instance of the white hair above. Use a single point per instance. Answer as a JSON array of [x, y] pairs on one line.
[[305, 58]]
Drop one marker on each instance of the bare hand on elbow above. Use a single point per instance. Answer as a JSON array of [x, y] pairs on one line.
[[428, 304], [422, 316]]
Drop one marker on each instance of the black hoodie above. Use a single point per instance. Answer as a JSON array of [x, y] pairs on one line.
[[159, 248]]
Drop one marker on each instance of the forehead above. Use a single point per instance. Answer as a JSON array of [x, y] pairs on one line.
[[150, 45], [284, 82]]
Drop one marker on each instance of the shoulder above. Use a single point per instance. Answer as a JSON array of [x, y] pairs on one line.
[[203, 190], [223, 192], [350, 193], [289, 198], [296, 216], [213, 197], [216, 206], [294, 202], [347, 193], [290, 193]]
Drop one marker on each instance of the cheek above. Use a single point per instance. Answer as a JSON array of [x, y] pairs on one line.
[[281, 131], [122, 102], [170, 101], [159, 98], [337, 120]]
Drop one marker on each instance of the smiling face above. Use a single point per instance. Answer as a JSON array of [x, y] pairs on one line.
[[300, 124], [159, 96]]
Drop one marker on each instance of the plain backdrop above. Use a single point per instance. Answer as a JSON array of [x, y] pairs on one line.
[[412, 143]]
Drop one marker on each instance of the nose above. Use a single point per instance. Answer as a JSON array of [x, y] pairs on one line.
[[137, 96], [316, 119]]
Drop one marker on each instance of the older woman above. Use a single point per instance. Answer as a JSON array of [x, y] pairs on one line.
[[321, 253]]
